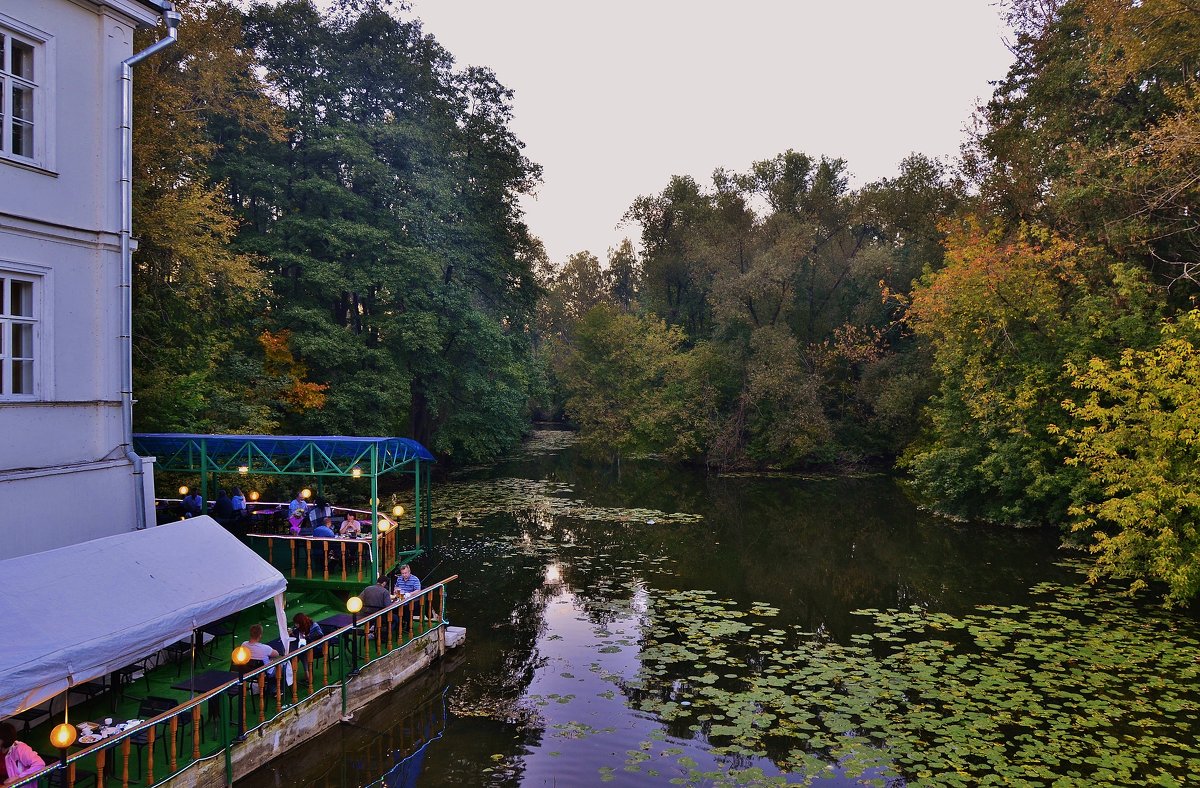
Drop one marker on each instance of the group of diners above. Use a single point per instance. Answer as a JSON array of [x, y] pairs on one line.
[[303, 518], [226, 507], [384, 592], [303, 630], [316, 519]]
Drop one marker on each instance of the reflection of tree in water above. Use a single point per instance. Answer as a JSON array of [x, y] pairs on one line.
[[504, 594], [822, 548]]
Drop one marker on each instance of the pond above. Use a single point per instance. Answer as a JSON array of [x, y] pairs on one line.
[[650, 625]]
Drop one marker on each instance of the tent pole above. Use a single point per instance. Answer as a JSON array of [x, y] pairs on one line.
[[282, 620], [192, 667]]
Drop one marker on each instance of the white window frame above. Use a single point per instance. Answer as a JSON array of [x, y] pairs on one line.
[[42, 361], [43, 96]]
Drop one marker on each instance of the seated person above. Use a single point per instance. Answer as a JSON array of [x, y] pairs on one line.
[[407, 583], [264, 653], [350, 526], [295, 523], [376, 597], [222, 510], [298, 504], [304, 629], [325, 529], [19, 757], [192, 504], [319, 512]]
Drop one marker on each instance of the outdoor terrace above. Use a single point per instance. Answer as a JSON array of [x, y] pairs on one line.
[[193, 704]]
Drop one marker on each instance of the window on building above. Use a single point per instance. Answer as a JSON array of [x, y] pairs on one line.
[[18, 335], [20, 105]]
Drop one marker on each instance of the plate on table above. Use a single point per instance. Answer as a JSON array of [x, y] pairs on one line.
[[91, 738]]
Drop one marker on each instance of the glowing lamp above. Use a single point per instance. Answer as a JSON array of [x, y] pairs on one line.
[[306, 493], [254, 495], [63, 735], [183, 490], [356, 471], [354, 604], [384, 526], [397, 511], [243, 469], [241, 656]]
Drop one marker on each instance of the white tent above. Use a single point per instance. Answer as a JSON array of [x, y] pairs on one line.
[[76, 613]]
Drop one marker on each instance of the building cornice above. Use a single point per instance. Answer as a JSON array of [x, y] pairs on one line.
[[145, 13]]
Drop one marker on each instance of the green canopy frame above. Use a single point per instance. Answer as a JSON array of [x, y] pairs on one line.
[[308, 456]]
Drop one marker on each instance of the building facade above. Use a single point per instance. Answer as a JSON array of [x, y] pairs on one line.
[[65, 471]]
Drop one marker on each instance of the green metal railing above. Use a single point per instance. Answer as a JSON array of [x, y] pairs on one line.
[[245, 704]]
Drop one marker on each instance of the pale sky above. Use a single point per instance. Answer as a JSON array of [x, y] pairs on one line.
[[613, 98]]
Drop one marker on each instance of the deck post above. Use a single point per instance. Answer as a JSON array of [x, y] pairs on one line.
[[417, 498], [377, 562], [203, 476]]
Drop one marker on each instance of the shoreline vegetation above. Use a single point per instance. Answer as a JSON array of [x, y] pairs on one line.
[[340, 250]]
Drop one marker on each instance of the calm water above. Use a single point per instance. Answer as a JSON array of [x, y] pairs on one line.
[[563, 563]]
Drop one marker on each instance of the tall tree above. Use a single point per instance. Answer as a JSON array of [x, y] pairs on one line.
[[390, 229], [197, 365]]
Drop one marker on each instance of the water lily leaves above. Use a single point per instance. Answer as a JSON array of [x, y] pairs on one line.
[[1028, 692]]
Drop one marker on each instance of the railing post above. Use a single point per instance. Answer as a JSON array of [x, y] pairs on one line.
[[226, 744], [342, 671]]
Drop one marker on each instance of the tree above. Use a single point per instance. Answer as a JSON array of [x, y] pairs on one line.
[[1136, 432], [388, 225], [196, 358], [622, 275], [632, 387], [1003, 318]]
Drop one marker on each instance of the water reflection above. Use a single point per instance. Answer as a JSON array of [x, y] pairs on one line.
[[558, 604]]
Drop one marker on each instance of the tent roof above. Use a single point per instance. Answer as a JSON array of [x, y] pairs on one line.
[[84, 610], [322, 455]]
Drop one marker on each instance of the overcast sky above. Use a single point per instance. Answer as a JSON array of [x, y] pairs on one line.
[[613, 98]]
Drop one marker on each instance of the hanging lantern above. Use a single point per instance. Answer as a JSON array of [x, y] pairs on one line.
[[63, 735]]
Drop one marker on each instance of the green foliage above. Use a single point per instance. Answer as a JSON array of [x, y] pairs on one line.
[[1136, 432], [387, 225], [632, 387], [792, 309], [1003, 317], [196, 359]]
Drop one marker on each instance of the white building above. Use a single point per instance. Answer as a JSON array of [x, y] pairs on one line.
[[66, 470]]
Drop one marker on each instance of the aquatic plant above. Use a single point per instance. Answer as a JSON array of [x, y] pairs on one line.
[[1080, 687]]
